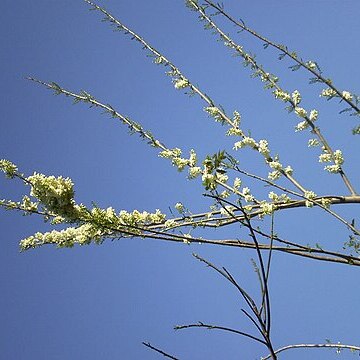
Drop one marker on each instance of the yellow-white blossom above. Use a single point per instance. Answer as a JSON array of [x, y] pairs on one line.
[[237, 183], [8, 168], [328, 93], [282, 95], [310, 195], [313, 115], [296, 97], [194, 172], [274, 175], [181, 83], [301, 126], [325, 157], [346, 95], [179, 207], [299, 111], [311, 65]]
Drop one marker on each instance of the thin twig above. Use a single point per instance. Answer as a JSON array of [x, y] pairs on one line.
[[147, 344], [298, 346], [215, 327]]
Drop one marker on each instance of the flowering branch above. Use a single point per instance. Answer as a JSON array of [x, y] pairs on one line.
[[310, 66], [183, 82], [294, 100]]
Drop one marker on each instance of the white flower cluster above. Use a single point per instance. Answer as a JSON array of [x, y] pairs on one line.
[[338, 159], [328, 93], [263, 148], [179, 162], [296, 97], [8, 168], [194, 172], [313, 115], [236, 118], [65, 238], [326, 202], [209, 180], [134, 218], [214, 112], [179, 207], [28, 205], [181, 83], [246, 193], [55, 193], [237, 183], [267, 208], [170, 223], [282, 95], [235, 132], [276, 174], [310, 195], [25, 205], [346, 95], [301, 126], [325, 157], [283, 198], [300, 112], [246, 141], [311, 65]]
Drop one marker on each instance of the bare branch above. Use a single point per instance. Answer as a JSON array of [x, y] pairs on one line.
[[147, 344], [309, 346]]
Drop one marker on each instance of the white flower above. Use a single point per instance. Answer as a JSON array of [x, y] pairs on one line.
[[247, 194], [236, 118], [311, 65], [346, 95], [299, 111], [279, 94], [263, 148], [296, 97], [338, 157], [181, 83], [237, 183], [267, 208], [273, 196], [313, 115], [288, 170], [310, 195], [179, 207], [194, 172], [301, 126], [274, 175], [328, 93], [276, 165], [333, 169], [325, 157]]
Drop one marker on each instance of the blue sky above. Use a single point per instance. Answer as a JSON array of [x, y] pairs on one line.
[[101, 302]]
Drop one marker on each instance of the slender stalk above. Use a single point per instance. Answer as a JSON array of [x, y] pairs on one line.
[[309, 346], [147, 344], [216, 327]]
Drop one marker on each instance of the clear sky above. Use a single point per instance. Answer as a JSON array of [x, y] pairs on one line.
[[101, 302]]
